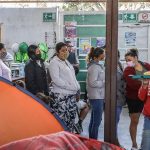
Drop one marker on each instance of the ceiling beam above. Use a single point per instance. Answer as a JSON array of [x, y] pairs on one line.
[[55, 1]]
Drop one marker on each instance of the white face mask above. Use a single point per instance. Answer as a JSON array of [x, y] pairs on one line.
[[130, 64]]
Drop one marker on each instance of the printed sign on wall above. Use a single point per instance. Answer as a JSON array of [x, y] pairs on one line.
[[129, 17], [49, 17], [144, 17], [70, 29], [101, 41], [130, 38], [84, 46], [50, 38]]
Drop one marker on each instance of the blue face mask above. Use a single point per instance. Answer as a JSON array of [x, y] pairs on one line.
[[102, 62]]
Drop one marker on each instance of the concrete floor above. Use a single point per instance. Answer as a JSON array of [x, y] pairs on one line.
[[123, 131]]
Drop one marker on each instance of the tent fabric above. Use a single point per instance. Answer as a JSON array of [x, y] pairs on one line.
[[59, 141], [22, 115]]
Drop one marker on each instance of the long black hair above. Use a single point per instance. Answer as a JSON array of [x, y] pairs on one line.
[[133, 52], [31, 51], [119, 63], [95, 52], [59, 46], [2, 46]]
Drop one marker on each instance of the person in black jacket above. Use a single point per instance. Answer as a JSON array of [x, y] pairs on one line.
[[72, 58], [35, 73]]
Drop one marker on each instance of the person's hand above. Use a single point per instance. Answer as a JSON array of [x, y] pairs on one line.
[[78, 96], [76, 65], [145, 83], [43, 97]]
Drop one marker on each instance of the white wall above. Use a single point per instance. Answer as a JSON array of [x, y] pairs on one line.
[[25, 25], [141, 40]]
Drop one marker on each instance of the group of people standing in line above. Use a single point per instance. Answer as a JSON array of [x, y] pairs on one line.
[[128, 92], [96, 89], [63, 68]]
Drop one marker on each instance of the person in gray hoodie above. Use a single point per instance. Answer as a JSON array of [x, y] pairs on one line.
[[95, 88], [120, 94], [64, 86]]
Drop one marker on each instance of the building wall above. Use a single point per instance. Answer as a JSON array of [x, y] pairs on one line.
[[26, 25], [93, 24]]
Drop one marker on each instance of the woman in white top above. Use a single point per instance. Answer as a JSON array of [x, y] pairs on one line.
[[64, 86], [5, 72]]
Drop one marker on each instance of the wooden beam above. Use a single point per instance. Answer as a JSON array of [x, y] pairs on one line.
[[0, 34], [111, 70], [55, 1], [134, 1]]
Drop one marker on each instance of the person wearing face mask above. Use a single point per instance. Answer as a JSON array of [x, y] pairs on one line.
[[5, 72], [95, 88], [135, 106], [72, 58], [120, 95], [35, 73], [64, 86]]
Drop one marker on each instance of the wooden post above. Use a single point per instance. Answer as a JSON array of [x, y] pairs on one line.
[[111, 70], [0, 34]]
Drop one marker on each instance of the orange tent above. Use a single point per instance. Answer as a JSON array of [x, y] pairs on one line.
[[23, 115]]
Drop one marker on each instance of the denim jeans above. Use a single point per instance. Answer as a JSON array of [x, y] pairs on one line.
[[118, 112], [145, 145], [97, 106]]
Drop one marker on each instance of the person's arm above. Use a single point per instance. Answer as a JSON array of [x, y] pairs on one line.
[[77, 60], [132, 83], [8, 57], [147, 66], [0, 69], [93, 78], [142, 94], [30, 78], [5, 72]]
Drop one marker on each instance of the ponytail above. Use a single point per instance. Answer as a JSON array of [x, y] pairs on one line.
[[90, 55]]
